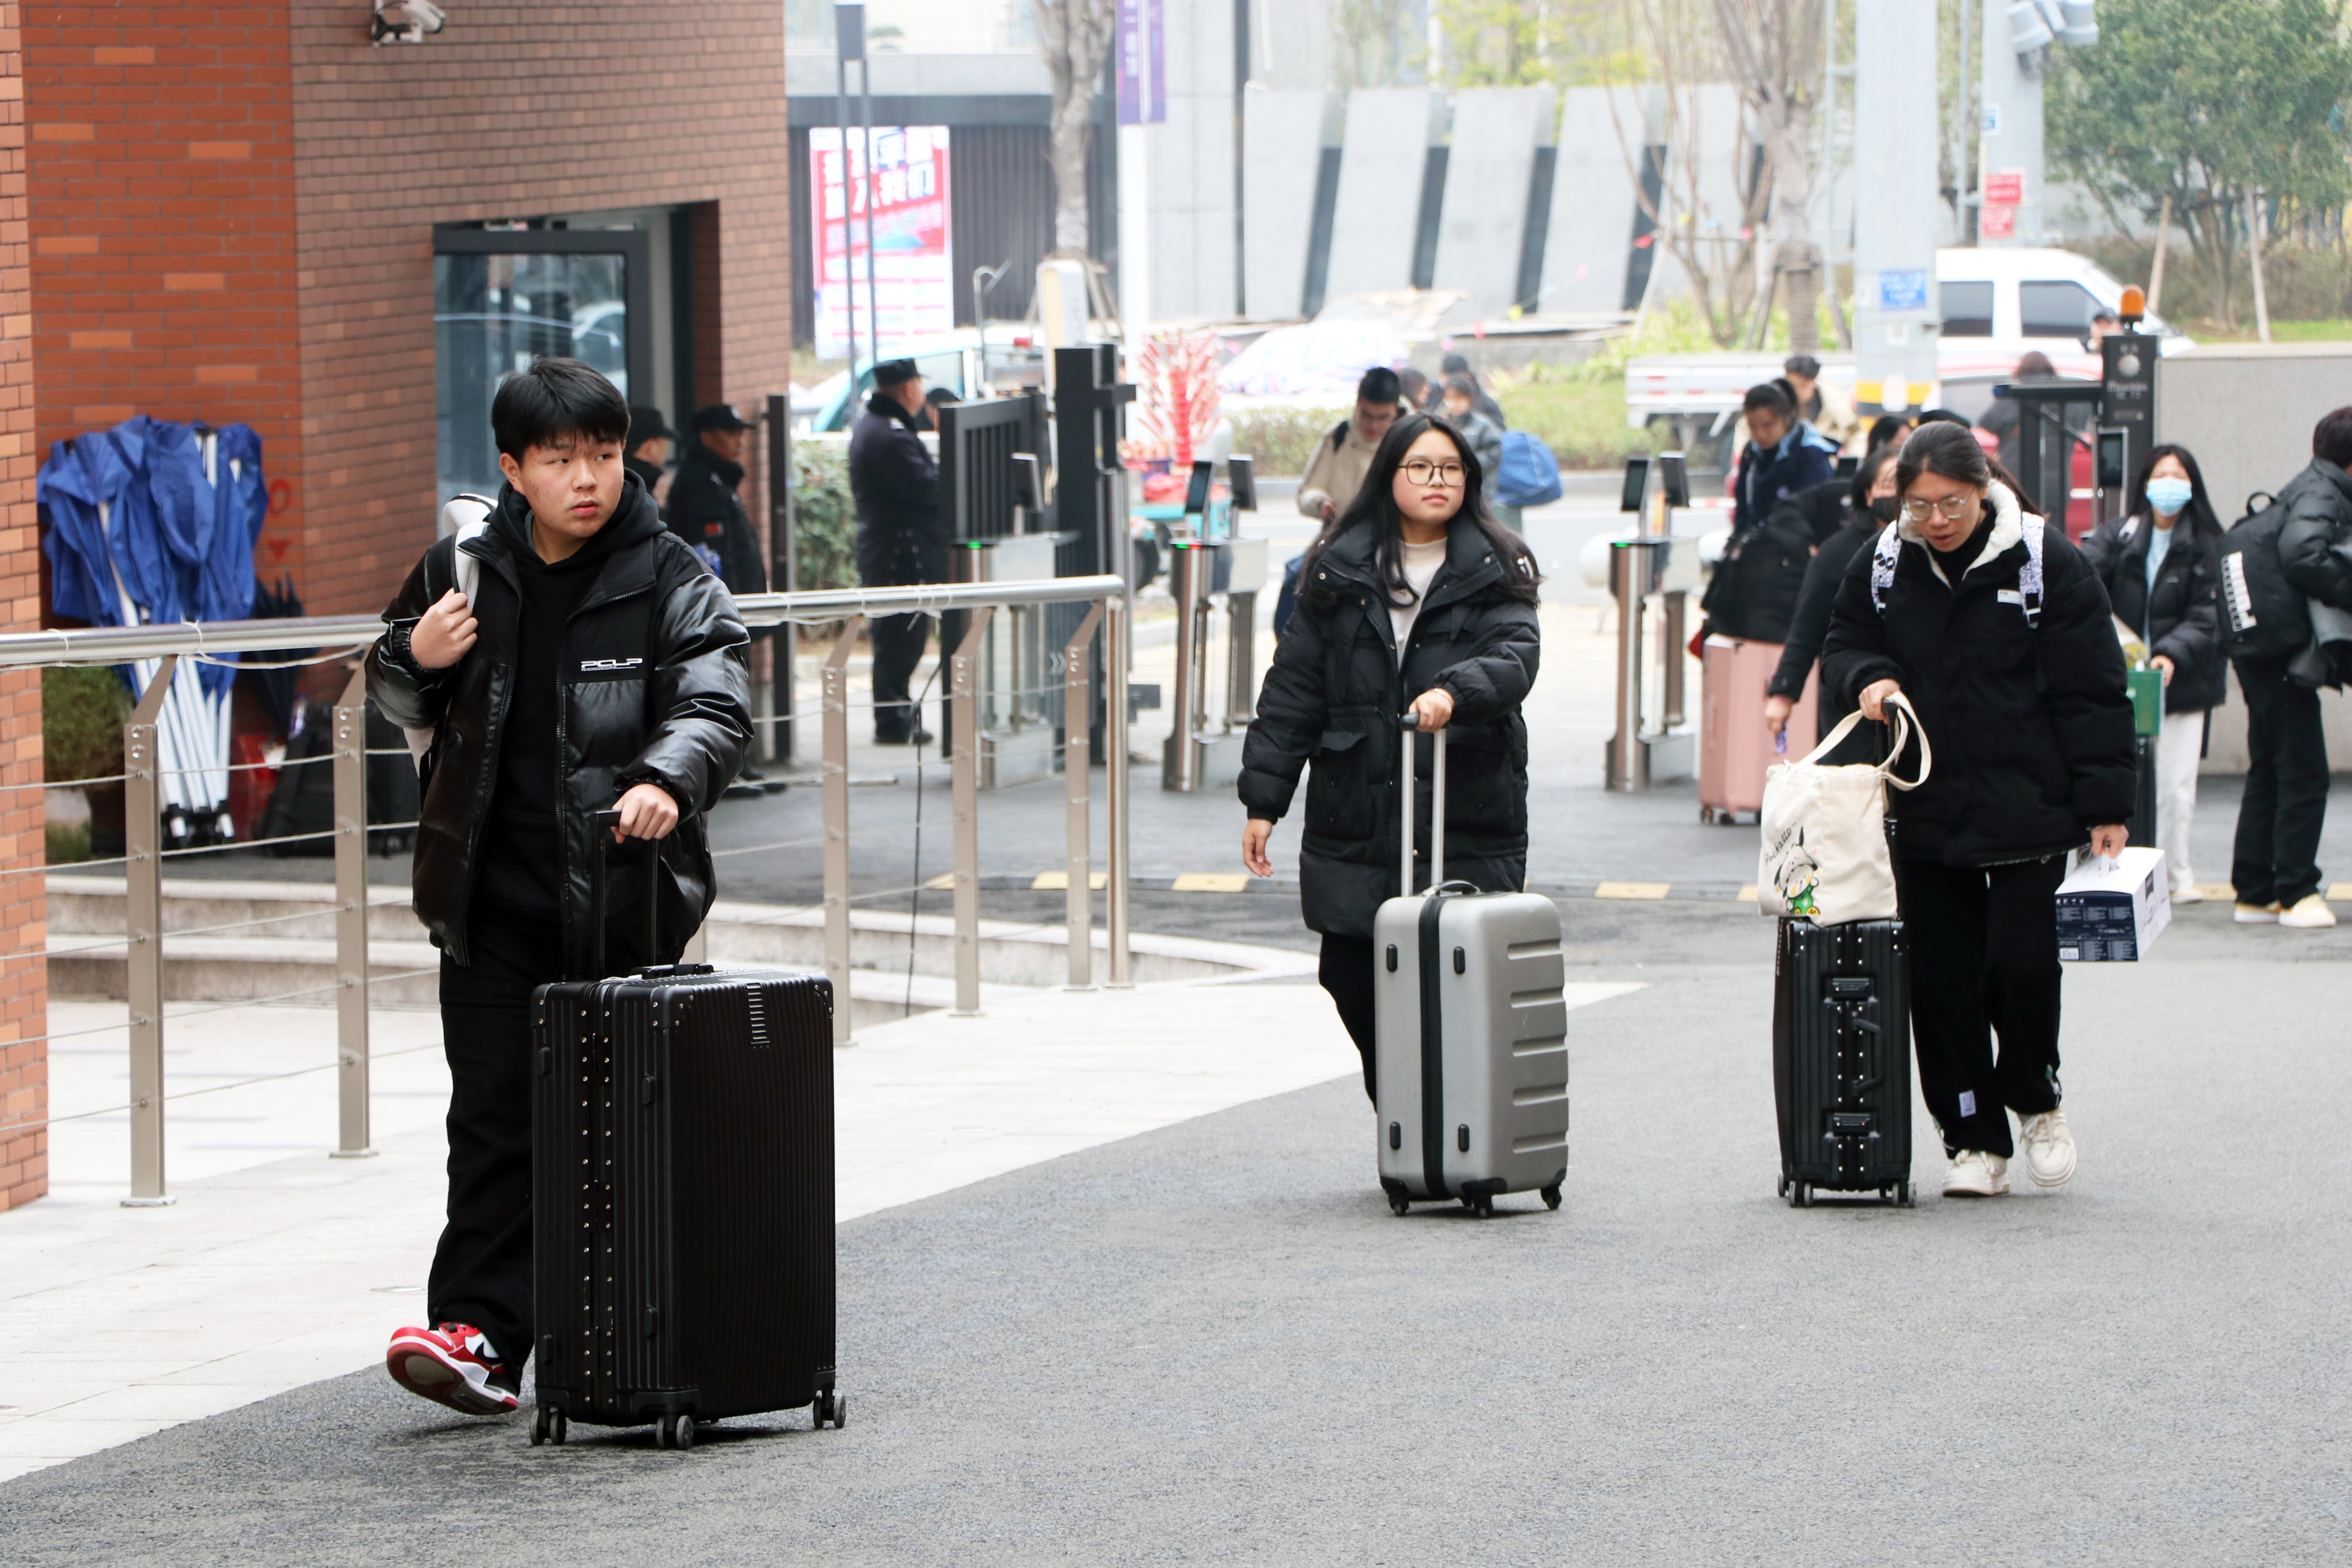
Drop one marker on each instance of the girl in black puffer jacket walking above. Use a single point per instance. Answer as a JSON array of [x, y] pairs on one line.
[[1997, 631], [2159, 563], [1412, 598]]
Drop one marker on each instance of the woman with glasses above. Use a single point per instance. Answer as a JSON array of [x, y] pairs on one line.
[[1996, 630], [2161, 566], [1412, 598]]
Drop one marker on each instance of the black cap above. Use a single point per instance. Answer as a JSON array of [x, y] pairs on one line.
[[1380, 385], [1805, 365], [647, 424], [718, 417], [1454, 362], [896, 372]]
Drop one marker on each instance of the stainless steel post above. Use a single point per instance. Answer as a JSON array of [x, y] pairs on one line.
[[963, 680], [352, 921], [1117, 782], [835, 769], [1180, 767], [142, 922], [1076, 782], [1241, 657], [1629, 581], [1672, 695]]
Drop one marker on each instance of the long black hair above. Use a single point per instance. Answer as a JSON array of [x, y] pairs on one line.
[[2204, 526], [1952, 451], [1375, 508]]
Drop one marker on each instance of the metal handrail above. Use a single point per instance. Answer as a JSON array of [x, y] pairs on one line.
[[142, 861]]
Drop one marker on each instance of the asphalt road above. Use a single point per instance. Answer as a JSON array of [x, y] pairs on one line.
[[1214, 1342]]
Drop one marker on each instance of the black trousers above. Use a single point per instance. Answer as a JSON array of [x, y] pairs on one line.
[[2277, 855], [481, 1270], [1346, 972], [1984, 959], [899, 560]]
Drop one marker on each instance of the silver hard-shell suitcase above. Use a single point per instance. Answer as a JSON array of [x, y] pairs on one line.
[[1471, 1032]]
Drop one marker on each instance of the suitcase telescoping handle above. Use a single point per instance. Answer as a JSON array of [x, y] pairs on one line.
[[1436, 809], [604, 823]]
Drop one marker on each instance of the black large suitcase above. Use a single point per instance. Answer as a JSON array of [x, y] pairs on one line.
[[682, 1202], [1842, 1061]]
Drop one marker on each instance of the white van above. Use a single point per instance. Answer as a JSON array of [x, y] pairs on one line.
[[1998, 306]]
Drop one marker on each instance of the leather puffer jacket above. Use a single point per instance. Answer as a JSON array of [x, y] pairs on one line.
[[655, 689], [1334, 697]]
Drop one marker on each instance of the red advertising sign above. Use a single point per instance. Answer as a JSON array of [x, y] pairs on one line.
[[913, 265], [2005, 188], [1995, 223]]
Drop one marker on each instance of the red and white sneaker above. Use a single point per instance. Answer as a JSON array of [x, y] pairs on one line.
[[453, 1365]]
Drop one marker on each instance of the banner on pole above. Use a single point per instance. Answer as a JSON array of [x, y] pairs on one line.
[[914, 262], [1141, 48]]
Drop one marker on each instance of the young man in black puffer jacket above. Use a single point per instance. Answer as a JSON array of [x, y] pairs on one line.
[[595, 664]]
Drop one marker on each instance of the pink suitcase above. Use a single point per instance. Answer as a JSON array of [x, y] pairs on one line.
[[1734, 746]]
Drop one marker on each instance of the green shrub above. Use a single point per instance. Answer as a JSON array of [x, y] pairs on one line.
[[824, 518], [1283, 439], [83, 715]]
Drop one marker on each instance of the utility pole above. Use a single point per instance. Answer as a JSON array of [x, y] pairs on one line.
[[2017, 41], [1894, 194]]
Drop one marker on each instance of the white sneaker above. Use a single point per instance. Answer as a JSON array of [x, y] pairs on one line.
[[2048, 1148], [2188, 893], [2311, 914], [1976, 1174], [2256, 915]]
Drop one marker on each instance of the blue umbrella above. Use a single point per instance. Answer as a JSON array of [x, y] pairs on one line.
[[79, 477]]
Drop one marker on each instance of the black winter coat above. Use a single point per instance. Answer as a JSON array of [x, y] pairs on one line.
[[2181, 619], [705, 510], [1334, 697], [1809, 629], [893, 478], [655, 690], [1755, 590], [2318, 522], [2030, 725], [1767, 479]]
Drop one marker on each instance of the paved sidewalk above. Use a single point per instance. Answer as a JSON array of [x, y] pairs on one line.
[[275, 1268]]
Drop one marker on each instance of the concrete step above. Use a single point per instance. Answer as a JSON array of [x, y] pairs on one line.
[[211, 954]]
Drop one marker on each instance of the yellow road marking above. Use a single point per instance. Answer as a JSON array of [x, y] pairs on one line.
[[1747, 893], [1632, 890], [1059, 881], [1213, 882]]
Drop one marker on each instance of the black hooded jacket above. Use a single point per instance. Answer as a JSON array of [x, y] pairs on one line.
[[705, 510], [1334, 698], [2028, 724], [2181, 617], [652, 688]]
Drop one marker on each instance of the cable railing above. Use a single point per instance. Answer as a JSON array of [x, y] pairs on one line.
[[140, 950]]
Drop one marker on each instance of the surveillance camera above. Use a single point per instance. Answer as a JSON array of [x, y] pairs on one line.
[[405, 21], [2081, 23], [2028, 31]]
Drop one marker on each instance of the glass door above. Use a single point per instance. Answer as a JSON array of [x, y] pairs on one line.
[[503, 297]]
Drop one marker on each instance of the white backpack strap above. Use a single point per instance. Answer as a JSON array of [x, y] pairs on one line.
[[465, 517], [1883, 557], [2029, 577]]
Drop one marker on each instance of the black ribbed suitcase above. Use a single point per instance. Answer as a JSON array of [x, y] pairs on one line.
[[682, 1202], [1842, 1059]]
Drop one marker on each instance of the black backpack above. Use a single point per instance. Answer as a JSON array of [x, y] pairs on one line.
[[2262, 616]]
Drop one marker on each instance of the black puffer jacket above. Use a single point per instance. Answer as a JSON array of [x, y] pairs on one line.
[[1809, 629], [2030, 725], [655, 690], [1334, 697], [1757, 586], [705, 510], [2181, 618], [2318, 523]]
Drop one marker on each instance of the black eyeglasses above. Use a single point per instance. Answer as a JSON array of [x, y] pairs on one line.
[[1421, 471]]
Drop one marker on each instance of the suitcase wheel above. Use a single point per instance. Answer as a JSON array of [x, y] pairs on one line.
[[829, 1405], [1800, 1194], [1399, 1203], [674, 1432], [1481, 1205], [1903, 1195], [549, 1427], [1551, 1198]]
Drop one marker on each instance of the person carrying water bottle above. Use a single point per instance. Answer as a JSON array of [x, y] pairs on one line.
[[1411, 598], [1995, 629]]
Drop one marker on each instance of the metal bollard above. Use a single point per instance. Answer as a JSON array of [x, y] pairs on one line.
[[1117, 616], [1673, 696], [352, 921], [1630, 575], [1188, 563], [963, 680], [1075, 748], [142, 922], [1241, 657], [835, 703]]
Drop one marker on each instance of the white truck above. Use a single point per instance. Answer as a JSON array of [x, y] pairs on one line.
[[1997, 305]]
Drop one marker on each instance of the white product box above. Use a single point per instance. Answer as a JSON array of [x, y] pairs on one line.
[[2111, 910]]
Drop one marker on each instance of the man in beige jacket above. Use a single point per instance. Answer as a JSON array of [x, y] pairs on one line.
[[1341, 459]]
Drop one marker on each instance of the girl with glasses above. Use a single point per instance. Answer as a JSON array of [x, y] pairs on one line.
[[2005, 646], [1412, 598]]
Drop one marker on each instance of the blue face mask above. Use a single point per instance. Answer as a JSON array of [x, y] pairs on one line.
[[2167, 495]]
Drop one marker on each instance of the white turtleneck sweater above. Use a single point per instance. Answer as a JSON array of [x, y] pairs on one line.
[[1420, 564]]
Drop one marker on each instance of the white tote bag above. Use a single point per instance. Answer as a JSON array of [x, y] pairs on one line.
[[1825, 858]]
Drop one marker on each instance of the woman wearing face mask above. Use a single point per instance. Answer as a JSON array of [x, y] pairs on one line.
[[1412, 598], [1870, 506], [2158, 563], [1996, 630]]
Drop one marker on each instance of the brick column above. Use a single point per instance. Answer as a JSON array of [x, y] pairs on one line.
[[24, 914]]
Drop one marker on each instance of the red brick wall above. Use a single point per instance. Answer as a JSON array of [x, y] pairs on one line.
[[514, 111], [23, 987], [161, 181]]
